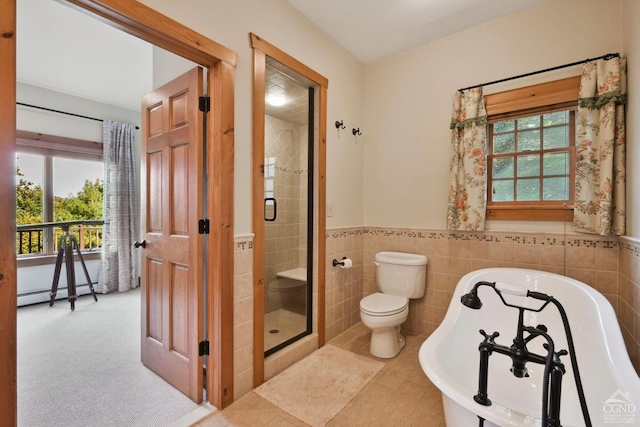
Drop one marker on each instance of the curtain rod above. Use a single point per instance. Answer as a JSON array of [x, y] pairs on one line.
[[606, 57], [61, 112]]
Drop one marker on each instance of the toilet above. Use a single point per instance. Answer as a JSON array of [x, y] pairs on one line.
[[400, 276]]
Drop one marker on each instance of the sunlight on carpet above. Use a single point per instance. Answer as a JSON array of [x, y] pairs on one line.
[[318, 387]]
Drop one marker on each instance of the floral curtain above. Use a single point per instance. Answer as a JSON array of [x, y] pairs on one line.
[[467, 193], [120, 265], [600, 149]]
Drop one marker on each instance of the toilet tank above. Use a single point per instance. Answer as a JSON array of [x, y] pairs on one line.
[[401, 274]]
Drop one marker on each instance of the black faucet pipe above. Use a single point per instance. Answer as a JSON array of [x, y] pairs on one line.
[[471, 300], [572, 352], [545, 377]]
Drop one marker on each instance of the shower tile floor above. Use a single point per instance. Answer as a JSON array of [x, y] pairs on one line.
[[399, 395], [287, 324]]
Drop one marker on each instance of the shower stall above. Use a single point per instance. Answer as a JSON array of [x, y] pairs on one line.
[[288, 206]]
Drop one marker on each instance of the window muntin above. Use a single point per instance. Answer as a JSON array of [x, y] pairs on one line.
[[550, 100], [530, 160]]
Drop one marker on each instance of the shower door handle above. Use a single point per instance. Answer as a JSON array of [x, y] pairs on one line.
[[275, 208]]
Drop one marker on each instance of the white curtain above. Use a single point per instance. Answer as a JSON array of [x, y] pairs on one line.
[[600, 149], [120, 264], [468, 169]]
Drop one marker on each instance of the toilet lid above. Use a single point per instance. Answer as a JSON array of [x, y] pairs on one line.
[[383, 304]]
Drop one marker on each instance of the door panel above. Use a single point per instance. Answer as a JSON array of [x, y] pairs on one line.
[[172, 197]]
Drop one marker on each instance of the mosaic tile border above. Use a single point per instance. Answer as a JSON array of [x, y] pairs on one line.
[[243, 242], [336, 233], [630, 246], [532, 238]]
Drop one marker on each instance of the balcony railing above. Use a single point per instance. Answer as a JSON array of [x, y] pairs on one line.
[[44, 238]]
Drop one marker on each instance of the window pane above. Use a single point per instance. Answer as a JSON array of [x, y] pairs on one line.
[[503, 167], [505, 126], [77, 189], [503, 191], [529, 122], [29, 205], [557, 137], [556, 188], [528, 189], [529, 140], [504, 143], [29, 171], [556, 164], [529, 165], [555, 118]]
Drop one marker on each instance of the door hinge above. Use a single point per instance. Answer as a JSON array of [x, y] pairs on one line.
[[203, 226], [205, 104], [203, 348]]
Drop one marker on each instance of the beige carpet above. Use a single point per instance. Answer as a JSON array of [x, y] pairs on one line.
[[318, 387], [82, 368]]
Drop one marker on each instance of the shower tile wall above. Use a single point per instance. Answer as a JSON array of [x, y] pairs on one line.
[[286, 173]]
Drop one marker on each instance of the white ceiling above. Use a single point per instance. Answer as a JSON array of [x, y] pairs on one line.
[[373, 29], [62, 49]]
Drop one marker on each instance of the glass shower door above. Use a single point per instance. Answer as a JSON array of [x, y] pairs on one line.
[[287, 176]]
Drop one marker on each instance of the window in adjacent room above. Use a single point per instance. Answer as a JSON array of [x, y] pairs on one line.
[[57, 179], [531, 152]]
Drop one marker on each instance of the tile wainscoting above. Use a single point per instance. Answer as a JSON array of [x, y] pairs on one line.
[[242, 315], [609, 264]]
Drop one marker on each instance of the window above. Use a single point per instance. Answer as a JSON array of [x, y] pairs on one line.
[[57, 179], [531, 152]]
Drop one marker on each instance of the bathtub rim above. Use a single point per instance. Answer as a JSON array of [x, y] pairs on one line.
[[434, 370]]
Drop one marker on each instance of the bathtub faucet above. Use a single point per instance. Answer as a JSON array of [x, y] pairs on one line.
[[519, 354]]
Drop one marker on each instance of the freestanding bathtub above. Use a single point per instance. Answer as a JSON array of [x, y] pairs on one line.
[[450, 356]]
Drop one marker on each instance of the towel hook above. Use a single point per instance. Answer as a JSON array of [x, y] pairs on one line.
[[339, 124], [356, 131]]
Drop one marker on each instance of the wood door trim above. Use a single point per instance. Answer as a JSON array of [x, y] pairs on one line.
[[143, 22], [259, 76], [220, 131], [284, 58], [261, 50], [147, 24], [8, 273]]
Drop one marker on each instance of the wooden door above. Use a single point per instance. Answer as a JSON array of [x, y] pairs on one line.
[[172, 195]]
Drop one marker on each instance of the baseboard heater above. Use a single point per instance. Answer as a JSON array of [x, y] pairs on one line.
[[48, 291]]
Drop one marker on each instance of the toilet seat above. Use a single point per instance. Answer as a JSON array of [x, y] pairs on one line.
[[379, 304]]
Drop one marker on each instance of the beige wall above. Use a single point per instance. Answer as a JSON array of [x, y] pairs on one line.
[[229, 23], [408, 97], [388, 187], [632, 51]]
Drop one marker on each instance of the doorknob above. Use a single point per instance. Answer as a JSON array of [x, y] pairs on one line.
[[138, 244]]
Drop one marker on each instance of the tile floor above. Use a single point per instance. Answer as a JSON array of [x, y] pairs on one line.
[[287, 323], [400, 395]]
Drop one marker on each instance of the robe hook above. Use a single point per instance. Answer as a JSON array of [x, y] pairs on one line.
[[356, 131], [339, 124]]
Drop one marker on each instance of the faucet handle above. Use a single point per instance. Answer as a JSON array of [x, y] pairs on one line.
[[489, 337]]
